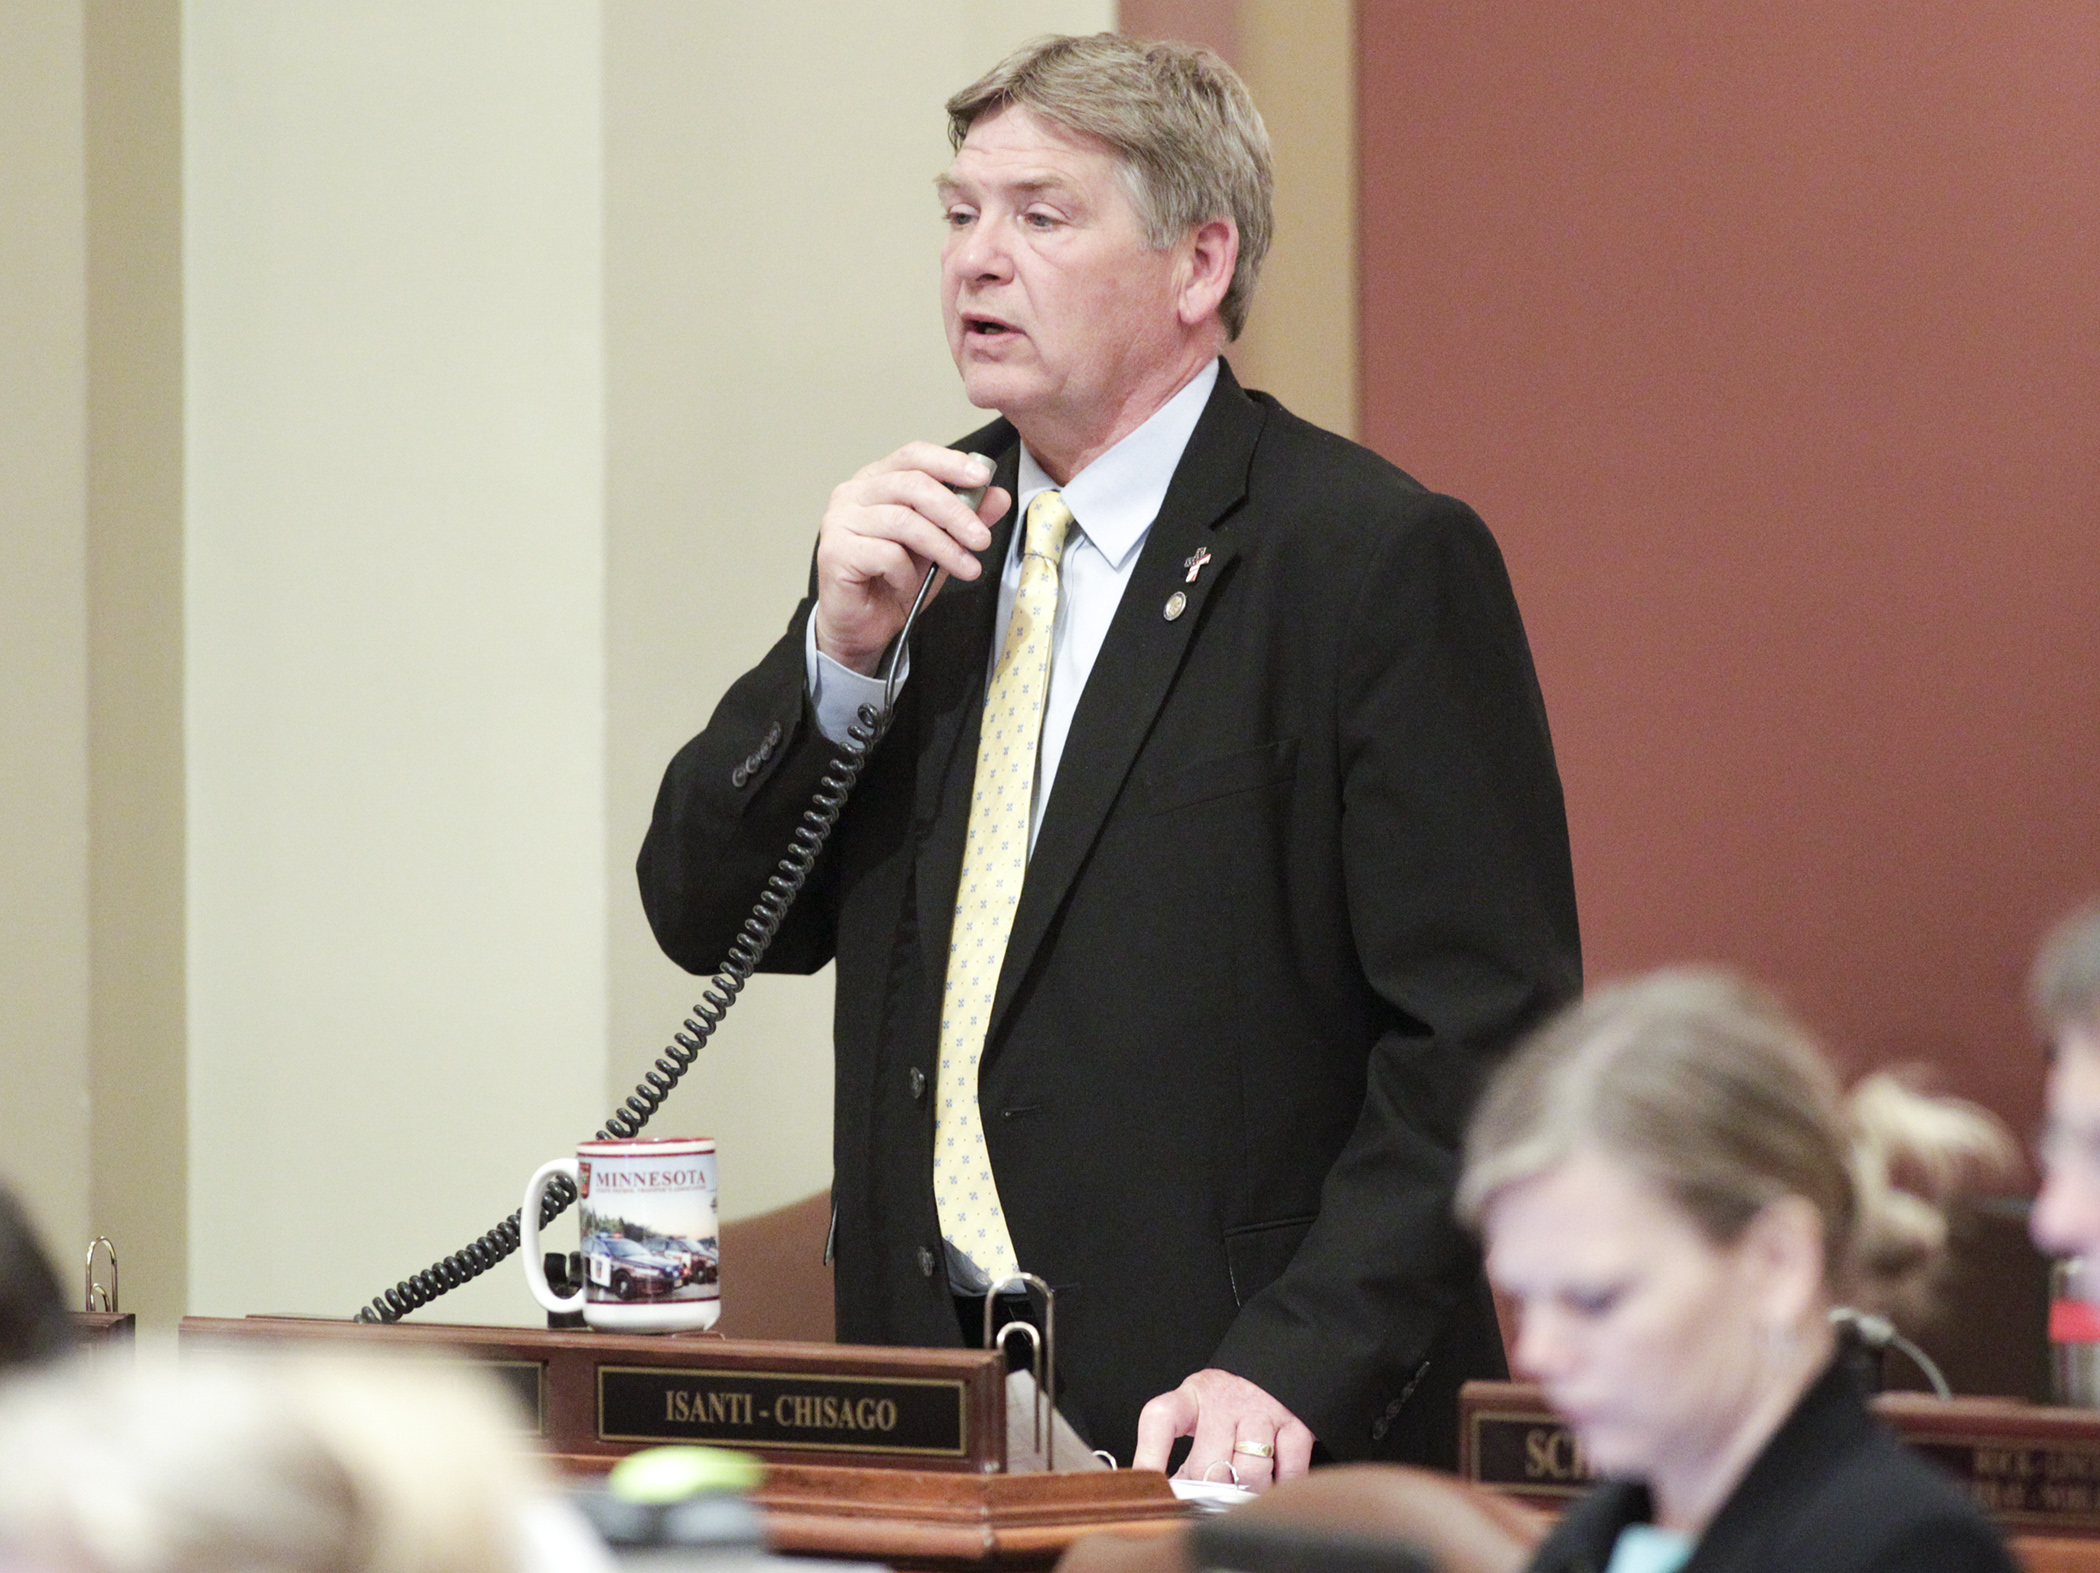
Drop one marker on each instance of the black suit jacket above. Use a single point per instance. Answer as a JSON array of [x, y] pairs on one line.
[[1302, 877], [1832, 1492]]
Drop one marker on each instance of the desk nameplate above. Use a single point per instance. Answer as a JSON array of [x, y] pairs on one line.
[[92, 1328], [2032, 1467], [599, 1396], [801, 1412], [525, 1381], [1529, 1453], [2054, 1487]]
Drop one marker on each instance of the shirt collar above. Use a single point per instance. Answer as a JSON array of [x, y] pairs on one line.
[[1115, 499]]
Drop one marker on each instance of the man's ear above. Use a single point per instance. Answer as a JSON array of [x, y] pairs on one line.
[[1213, 251]]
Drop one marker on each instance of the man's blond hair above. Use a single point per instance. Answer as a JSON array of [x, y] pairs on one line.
[[1184, 129]]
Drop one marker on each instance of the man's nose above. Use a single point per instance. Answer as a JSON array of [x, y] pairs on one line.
[[980, 252]]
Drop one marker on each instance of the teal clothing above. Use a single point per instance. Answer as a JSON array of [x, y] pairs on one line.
[[1642, 1548]]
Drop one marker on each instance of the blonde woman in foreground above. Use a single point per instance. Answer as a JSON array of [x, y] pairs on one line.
[[242, 1462], [1675, 1193]]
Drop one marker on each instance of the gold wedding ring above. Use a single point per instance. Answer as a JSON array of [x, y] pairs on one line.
[[1258, 1449]]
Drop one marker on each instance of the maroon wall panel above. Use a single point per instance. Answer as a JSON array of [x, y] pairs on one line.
[[1767, 338]]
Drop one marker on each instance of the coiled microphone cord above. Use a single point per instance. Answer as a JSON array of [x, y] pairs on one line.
[[783, 885]]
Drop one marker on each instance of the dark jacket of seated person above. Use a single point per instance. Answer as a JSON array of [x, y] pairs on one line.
[[1834, 1491], [34, 1326]]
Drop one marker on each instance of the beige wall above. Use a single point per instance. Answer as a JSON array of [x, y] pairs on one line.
[[772, 325], [436, 659], [43, 621], [139, 1082], [92, 1127], [395, 631]]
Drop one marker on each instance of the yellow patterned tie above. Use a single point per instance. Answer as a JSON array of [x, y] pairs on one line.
[[994, 860]]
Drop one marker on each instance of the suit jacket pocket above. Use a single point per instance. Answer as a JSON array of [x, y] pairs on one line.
[[1257, 1254], [1247, 770]]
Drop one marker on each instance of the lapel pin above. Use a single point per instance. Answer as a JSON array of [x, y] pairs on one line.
[[1195, 564], [1177, 603]]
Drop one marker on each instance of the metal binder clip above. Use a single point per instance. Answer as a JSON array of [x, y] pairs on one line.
[[1042, 1353], [1035, 1370], [99, 1298]]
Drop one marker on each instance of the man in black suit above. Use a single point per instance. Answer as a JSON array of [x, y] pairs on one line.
[[1262, 734]]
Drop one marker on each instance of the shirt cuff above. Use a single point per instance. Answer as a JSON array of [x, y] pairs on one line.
[[837, 692]]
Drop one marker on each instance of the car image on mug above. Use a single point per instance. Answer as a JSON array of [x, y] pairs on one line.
[[651, 1253]]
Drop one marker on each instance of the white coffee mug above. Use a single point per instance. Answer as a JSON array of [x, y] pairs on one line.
[[651, 1256]]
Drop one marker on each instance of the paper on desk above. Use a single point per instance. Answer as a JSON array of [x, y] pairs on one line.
[[1022, 1455], [1210, 1496]]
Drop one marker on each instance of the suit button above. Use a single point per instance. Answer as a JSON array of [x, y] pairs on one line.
[[739, 776], [918, 1085], [925, 1262], [772, 737]]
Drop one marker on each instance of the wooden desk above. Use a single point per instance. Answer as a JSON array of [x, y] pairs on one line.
[[98, 1331], [953, 1521], [2052, 1554], [879, 1505]]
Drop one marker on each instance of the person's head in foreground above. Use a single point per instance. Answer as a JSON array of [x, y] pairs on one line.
[[225, 1464], [2065, 996], [1675, 1193]]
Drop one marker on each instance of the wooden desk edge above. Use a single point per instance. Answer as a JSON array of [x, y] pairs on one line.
[[2055, 1553], [946, 1518]]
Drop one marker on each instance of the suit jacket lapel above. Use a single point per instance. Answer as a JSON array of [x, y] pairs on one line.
[[1749, 1532], [1136, 667]]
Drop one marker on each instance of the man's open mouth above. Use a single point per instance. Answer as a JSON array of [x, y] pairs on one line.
[[986, 326]]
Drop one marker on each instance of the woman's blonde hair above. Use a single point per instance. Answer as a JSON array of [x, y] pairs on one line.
[[263, 1465], [1709, 1088]]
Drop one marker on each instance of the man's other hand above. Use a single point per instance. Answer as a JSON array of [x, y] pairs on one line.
[[1234, 1422], [884, 528]]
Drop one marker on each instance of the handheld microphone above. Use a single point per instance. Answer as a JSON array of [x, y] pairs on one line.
[[974, 496]]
